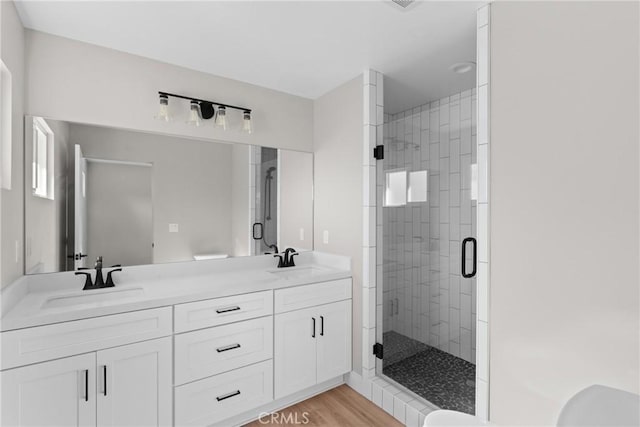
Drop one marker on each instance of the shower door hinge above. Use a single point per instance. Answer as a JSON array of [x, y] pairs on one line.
[[377, 350], [378, 152]]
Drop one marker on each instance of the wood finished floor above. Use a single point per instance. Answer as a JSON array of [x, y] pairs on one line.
[[339, 407]]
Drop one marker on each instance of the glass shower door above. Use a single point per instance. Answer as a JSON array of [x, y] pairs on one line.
[[428, 211]]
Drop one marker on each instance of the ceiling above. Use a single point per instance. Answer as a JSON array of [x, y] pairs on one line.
[[300, 47]]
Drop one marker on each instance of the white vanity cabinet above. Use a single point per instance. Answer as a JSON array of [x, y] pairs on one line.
[[134, 384], [57, 393], [104, 371], [215, 361], [311, 344], [127, 385]]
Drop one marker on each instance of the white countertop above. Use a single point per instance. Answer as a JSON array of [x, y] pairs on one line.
[[58, 297]]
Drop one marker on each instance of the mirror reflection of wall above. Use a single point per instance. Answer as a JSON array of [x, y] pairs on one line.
[[295, 207], [120, 212], [138, 198]]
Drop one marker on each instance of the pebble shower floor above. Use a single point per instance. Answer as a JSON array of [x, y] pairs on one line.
[[439, 377]]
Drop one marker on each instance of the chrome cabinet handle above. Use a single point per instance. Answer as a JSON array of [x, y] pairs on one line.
[[228, 309], [227, 348], [228, 395]]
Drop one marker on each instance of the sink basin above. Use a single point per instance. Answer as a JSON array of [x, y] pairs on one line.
[[298, 272], [91, 297]]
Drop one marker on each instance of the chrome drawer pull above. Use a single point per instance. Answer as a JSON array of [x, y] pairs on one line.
[[228, 309], [227, 348], [226, 396]]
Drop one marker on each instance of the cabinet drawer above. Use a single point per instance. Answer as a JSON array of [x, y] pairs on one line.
[[31, 345], [211, 351], [311, 295], [215, 399], [213, 312]]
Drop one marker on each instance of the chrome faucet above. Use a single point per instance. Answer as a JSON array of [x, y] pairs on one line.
[[99, 282]]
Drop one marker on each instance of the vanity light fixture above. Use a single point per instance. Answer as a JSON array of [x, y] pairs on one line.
[[247, 126], [200, 109], [163, 113], [194, 114], [221, 118]]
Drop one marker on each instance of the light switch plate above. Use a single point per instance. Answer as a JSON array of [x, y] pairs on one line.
[[173, 228], [301, 234], [325, 237]]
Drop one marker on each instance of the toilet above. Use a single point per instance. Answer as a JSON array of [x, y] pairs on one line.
[[596, 405]]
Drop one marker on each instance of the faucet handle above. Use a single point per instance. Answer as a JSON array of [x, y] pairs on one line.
[[110, 283], [291, 262], [280, 260], [87, 282]]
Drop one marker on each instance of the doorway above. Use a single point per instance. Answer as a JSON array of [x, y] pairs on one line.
[[119, 212]]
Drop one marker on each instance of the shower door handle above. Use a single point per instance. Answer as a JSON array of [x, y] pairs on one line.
[[463, 261], [257, 231]]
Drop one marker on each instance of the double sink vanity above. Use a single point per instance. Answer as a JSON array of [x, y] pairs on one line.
[[188, 343]]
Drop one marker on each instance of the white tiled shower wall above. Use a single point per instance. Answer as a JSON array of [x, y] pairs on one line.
[[425, 297]]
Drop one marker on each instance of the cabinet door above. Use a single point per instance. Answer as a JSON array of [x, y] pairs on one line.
[[57, 393], [294, 351], [135, 385], [334, 340]]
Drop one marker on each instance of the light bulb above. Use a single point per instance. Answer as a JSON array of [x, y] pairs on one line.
[[163, 112], [246, 122], [221, 118], [194, 115]]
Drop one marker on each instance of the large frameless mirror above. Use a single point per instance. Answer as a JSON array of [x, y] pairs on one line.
[[139, 198]]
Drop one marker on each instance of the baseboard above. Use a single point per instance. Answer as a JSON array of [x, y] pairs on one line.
[[282, 403]]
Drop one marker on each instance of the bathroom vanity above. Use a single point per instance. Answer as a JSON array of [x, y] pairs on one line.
[[195, 343]]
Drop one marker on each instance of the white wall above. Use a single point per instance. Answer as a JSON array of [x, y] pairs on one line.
[[80, 82], [12, 52], [192, 189], [564, 298], [338, 136]]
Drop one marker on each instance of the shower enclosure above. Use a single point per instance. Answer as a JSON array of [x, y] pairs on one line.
[[429, 176], [265, 210]]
